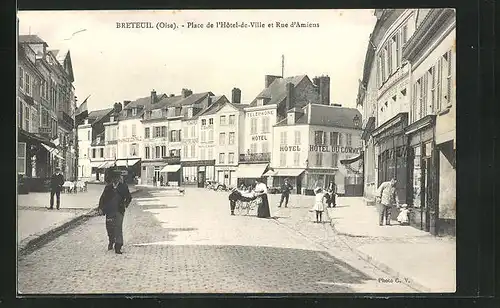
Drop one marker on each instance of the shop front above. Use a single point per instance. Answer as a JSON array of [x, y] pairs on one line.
[[196, 173], [353, 183], [318, 177], [226, 175], [277, 176], [130, 167], [392, 158], [248, 173], [423, 171]]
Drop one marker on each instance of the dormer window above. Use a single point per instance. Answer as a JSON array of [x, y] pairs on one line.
[[203, 122], [111, 119], [356, 121], [134, 111]]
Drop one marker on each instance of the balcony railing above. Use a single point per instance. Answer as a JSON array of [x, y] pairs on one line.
[[66, 119], [255, 158]]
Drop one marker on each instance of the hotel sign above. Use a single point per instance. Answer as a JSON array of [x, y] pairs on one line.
[[260, 113], [289, 148], [259, 138], [334, 149]]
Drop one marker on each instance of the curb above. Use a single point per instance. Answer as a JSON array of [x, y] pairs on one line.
[[37, 240], [381, 266]]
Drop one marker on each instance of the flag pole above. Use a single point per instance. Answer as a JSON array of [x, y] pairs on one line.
[[77, 150]]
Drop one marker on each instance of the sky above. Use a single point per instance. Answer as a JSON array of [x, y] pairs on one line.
[[115, 64]]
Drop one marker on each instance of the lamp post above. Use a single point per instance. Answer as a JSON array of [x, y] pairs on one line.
[[77, 150]]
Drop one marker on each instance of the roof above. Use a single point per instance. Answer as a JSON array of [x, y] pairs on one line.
[[31, 39], [101, 141], [327, 115], [165, 102], [194, 98], [60, 55], [276, 91], [140, 102], [97, 115]]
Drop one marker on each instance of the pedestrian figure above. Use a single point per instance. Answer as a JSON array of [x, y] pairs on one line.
[[319, 203], [56, 183], [114, 199], [332, 194], [154, 180], [263, 210], [285, 193], [403, 215], [386, 197], [241, 195], [161, 180]]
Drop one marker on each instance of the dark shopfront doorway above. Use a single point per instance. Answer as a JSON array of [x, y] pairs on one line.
[[393, 164]]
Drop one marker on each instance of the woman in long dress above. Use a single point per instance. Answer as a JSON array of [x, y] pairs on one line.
[[263, 210]]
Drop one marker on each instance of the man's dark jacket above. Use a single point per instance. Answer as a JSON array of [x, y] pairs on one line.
[[56, 182], [286, 188], [115, 200]]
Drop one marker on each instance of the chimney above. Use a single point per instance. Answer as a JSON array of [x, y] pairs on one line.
[[270, 79], [153, 96], [209, 101], [186, 93], [324, 90], [293, 114], [236, 96], [316, 82], [125, 103], [290, 101], [117, 107]]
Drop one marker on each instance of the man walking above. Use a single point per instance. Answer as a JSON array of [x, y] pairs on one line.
[[56, 183], [386, 195], [285, 193], [114, 199]]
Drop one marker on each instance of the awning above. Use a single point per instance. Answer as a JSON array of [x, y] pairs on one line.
[[170, 168], [49, 148], [123, 162], [36, 138], [288, 172], [250, 171], [370, 125], [352, 160], [105, 165]]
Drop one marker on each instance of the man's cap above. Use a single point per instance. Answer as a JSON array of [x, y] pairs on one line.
[[58, 169]]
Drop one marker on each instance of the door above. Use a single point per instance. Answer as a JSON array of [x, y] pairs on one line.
[[201, 179], [157, 174], [426, 197]]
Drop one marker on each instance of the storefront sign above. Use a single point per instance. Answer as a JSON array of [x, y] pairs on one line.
[[289, 148], [333, 148], [260, 113], [259, 138], [130, 139]]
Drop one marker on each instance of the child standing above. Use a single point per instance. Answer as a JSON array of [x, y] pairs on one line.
[[403, 215], [319, 203]]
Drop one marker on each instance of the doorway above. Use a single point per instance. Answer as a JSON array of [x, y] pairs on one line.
[[425, 195], [201, 179]]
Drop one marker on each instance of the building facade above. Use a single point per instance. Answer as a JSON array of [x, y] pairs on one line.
[[310, 145], [432, 120]]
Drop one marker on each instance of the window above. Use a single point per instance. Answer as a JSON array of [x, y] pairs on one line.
[[222, 138], [185, 132], [27, 118], [101, 152], [193, 150], [147, 152], [231, 138], [202, 154], [157, 130], [211, 121], [210, 135], [223, 120], [335, 159], [253, 148], [379, 71], [388, 49], [89, 137], [265, 147], [230, 158], [232, 119], [319, 159], [221, 158], [146, 133], [203, 136], [134, 113], [134, 149], [404, 34], [93, 153], [439, 83], [157, 152], [203, 122], [253, 126], [319, 137], [134, 129], [265, 124], [297, 137], [334, 138], [21, 79], [21, 158], [185, 152], [348, 140], [163, 151], [163, 131], [124, 150], [341, 142], [449, 78], [424, 89], [193, 132], [45, 118], [282, 159], [397, 43], [283, 137], [296, 159], [210, 153], [27, 83]]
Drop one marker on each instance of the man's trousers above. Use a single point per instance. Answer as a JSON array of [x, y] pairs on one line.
[[114, 227]]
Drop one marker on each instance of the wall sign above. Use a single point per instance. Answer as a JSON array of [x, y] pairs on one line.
[[260, 113], [289, 148], [333, 148], [259, 138]]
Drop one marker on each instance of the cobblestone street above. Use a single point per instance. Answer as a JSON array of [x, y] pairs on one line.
[[191, 244]]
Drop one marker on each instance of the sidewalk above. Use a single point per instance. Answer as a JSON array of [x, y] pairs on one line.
[[35, 222], [429, 262]]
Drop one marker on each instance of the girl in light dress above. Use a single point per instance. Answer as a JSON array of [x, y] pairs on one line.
[[403, 215], [319, 203]]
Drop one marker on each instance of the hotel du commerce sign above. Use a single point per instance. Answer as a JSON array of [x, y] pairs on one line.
[[334, 149]]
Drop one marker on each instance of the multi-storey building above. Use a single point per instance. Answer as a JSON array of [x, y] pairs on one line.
[[310, 144], [269, 107], [432, 121]]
